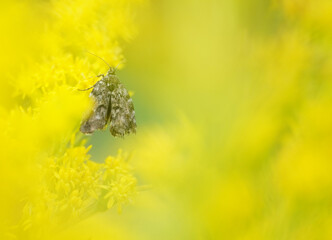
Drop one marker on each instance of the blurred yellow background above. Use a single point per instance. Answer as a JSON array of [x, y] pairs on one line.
[[233, 104]]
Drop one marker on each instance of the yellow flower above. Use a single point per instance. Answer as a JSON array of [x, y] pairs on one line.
[[73, 188], [48, 178]]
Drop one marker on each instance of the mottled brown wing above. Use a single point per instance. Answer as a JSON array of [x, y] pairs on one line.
[[98, 117], [122, 112]]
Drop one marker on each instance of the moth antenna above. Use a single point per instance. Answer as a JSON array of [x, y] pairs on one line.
[[99, 58], [116, 67]]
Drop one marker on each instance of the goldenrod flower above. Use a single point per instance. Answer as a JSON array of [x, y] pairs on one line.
[[48, 181], [73, 188]]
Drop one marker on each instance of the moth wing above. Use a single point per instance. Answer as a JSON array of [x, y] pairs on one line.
[[122, 114], [99, 114]]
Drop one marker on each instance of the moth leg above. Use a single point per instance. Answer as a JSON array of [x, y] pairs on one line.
[[100, 75], [87, 88]]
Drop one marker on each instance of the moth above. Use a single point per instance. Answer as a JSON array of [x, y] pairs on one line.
[[112, 104]]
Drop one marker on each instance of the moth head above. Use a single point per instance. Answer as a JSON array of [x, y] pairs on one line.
[[111, 71]]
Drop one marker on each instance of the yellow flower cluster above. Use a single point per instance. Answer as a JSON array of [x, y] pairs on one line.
[[74, 188], [48, 181]]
